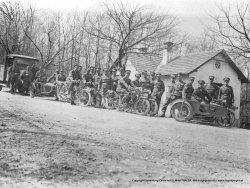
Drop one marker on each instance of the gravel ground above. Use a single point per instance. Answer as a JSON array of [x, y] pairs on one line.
[[44, 143]]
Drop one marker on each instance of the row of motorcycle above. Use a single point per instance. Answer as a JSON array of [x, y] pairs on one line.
[[135, 100]]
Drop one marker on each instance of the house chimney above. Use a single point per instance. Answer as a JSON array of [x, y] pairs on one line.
[[167, 53]]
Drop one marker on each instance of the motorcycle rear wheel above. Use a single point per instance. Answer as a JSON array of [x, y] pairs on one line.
[[85, 98], [142, 107], [110, 101], [181, 112], [230, 116]]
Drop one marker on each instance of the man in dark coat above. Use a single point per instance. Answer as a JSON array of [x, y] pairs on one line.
[[188, 89], [74, 75], [158, 89], [200, 93], [212, 88], [226, 93], [136, 82], [15, 73]]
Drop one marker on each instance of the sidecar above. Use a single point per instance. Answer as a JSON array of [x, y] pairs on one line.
[[184, 110], [46, 89]]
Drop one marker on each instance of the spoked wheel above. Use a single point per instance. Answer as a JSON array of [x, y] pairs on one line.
[[153, 108], [227, 120], [85, 98], [181, 112], [62, 93], [110, 100], [126, 104], [142, 107], [98, 101]]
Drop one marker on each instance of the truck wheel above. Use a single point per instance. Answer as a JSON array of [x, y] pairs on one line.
[[181, 112]]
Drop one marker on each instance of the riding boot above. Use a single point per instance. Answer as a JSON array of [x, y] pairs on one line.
[[72, 98]]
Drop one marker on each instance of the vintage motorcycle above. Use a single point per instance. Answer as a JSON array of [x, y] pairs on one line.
[[42, 89], [186, 110], [63, 92]]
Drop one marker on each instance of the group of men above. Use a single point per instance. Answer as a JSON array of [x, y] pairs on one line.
[[176, 89], [205, 92]]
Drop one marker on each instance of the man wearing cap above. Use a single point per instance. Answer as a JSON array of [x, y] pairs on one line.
[[136, 82], [14, 72], [226, 93], [88, 77], [26, 81], [169, 97], [144, 81], [188, 89], [158, 89], [212, 88], [105, 83], [54, 76], [200, 93], [152, 77], [74, 75], [114, 79], [125, 83]]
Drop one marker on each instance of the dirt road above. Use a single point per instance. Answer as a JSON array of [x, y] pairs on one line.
[[44, 143]]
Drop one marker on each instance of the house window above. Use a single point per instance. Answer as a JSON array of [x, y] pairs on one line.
[[217, 65]]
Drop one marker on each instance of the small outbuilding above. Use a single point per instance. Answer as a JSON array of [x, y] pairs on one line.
[[199, 65]]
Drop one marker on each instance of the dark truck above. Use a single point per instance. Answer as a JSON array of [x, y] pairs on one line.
[[22, 62]]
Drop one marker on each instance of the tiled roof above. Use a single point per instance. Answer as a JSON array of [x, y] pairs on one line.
[[186, 63], [145, 61]]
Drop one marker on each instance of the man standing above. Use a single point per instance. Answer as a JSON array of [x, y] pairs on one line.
[[188, 89], [14, 72], [136, 82], [169, 96], [152, 77], [97, 77], [54, 76], [226, 93], [212, 88], [73, 76], [144, 81], [59, 78], [158, 89], [26, 81], [105, 83], [33, 72], [200, 93], [114, 79], [88, 77]]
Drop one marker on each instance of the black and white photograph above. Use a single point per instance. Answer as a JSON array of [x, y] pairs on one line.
[[124, 93]]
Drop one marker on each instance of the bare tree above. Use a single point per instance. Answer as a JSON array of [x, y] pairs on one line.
[[130, 25]]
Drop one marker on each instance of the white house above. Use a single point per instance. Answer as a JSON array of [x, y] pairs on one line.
[[199, 65]]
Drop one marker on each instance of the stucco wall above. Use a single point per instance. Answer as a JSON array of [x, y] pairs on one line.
[[130, 66], [209, 69]]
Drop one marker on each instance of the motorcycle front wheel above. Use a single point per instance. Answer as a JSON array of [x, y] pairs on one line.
[[142, 107], [181, 112]]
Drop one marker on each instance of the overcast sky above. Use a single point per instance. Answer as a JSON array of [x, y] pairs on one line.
[[191, 12]]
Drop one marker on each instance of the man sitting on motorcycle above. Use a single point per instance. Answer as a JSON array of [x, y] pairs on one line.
[[125, 84], [73, 77], [200, 93]]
